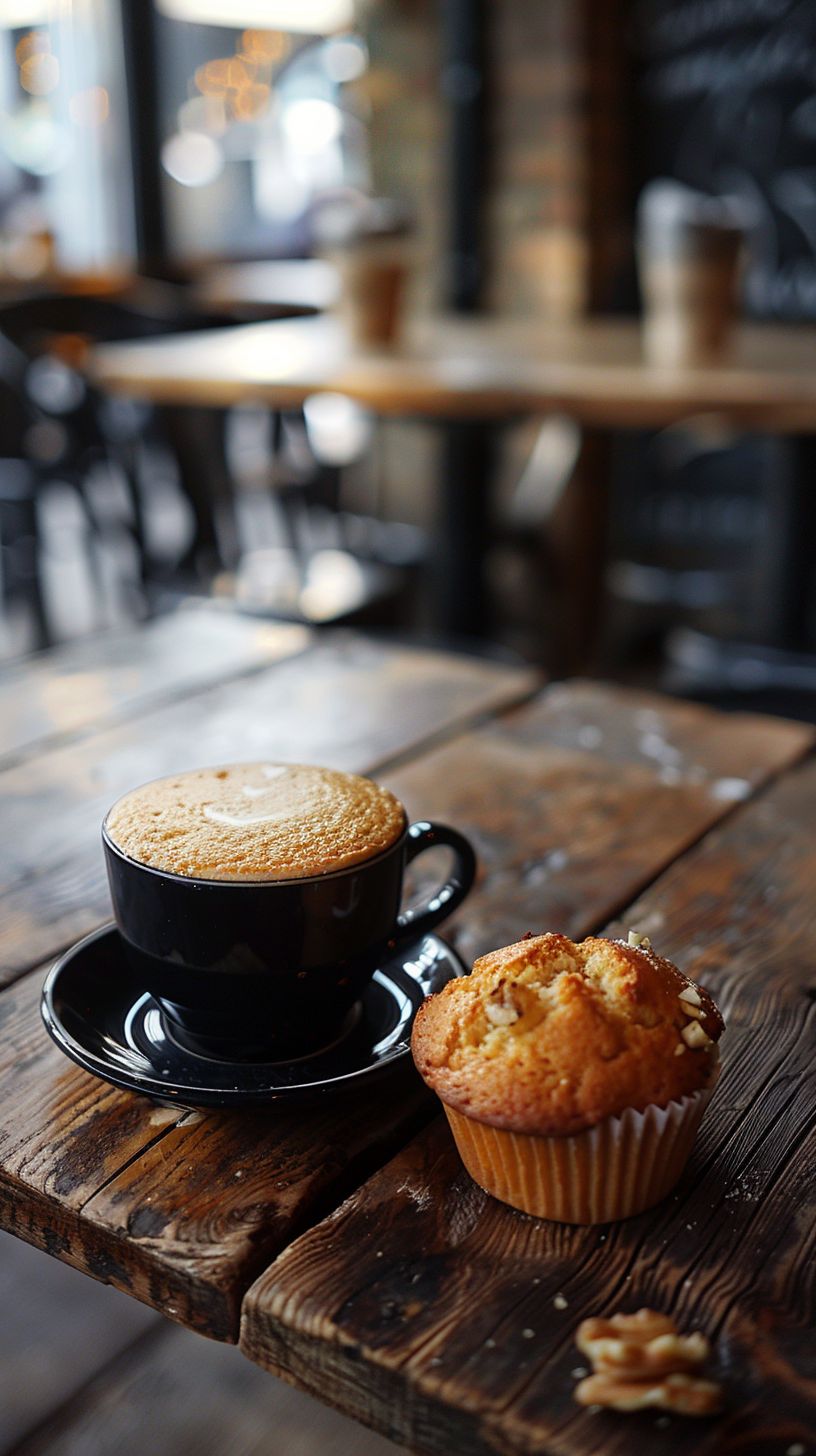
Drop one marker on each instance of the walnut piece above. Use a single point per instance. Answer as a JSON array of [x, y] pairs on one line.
[[691, 995], [645, 1343], [696, 1011], [638, 941], [642, 1360], [694, 1036], [686, 1395]]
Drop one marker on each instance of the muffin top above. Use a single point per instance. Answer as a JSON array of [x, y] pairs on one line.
[[546, 1036]]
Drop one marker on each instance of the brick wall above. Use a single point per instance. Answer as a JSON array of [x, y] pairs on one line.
[[554, 163], [536, 200]]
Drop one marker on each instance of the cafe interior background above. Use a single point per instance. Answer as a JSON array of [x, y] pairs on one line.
[[160, 162]]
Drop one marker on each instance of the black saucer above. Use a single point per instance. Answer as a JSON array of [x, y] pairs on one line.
[[101, 1018]]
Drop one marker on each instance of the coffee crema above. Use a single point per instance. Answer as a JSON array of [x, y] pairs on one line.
[[256, 821]]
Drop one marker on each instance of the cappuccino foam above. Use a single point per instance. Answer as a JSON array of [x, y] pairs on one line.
[[256, 821]]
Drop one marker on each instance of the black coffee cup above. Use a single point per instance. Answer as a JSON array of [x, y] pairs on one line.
[[269, 970]]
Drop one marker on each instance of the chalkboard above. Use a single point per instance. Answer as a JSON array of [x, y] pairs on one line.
[[728, 95]]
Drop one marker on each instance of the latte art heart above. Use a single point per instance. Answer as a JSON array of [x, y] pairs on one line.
[[279, 811]]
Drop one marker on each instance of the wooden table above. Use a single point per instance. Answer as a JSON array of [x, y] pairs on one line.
[[347, 1247], [470, 375], [280, 288], [477, 368]]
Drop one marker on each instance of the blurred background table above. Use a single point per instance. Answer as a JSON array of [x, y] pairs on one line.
[[267, 289], [471, 375], [480, 368]]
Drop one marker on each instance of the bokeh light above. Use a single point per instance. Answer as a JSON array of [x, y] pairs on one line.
[[238, 84], [26, 257], [251, 102], [36, 43], [216, 78], [345, 58], [39, 74], [338, 428], [89, 108], [264, 46], [33, 139], [203, 113], [311, 124], [192, 159]]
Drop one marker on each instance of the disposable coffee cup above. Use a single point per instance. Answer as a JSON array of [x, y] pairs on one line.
[[265, 967], [372, 274], [689, 249], [368, 242]]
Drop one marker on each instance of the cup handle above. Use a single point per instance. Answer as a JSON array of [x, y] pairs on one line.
[[424, 835]]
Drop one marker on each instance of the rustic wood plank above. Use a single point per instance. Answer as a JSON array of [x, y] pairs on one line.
[[100, 679], [427, 1309], [346, 701], [102, 1178], [159, 1209], [575, 801], [179, 1209], [178, 1395]]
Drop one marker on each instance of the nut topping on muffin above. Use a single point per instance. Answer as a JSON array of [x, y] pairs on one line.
[[550, 1037], [690, 995]]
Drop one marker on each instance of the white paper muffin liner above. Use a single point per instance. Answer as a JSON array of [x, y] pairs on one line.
[[614, 1170]]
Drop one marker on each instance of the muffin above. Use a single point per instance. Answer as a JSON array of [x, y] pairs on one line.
[[574, 1077]]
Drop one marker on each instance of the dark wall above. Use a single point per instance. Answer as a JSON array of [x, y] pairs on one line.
[[727, 101]]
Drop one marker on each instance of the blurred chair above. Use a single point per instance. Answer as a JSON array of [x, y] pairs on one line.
[[104, 510], [130, 503], [299, 553], [22, 617]]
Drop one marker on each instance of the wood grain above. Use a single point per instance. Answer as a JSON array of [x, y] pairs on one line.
[[345, 701], [185, 1213], [578, 799], [182, 1215], [97, 680], [475, 368], [179, 1209], [428, 1310]]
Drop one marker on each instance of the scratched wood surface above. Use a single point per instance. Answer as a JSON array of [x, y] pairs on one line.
[[185, 1212], [92, 1174], [84, 684], [578, 799], [345, 701], [179, 1209], [446, 1320]]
